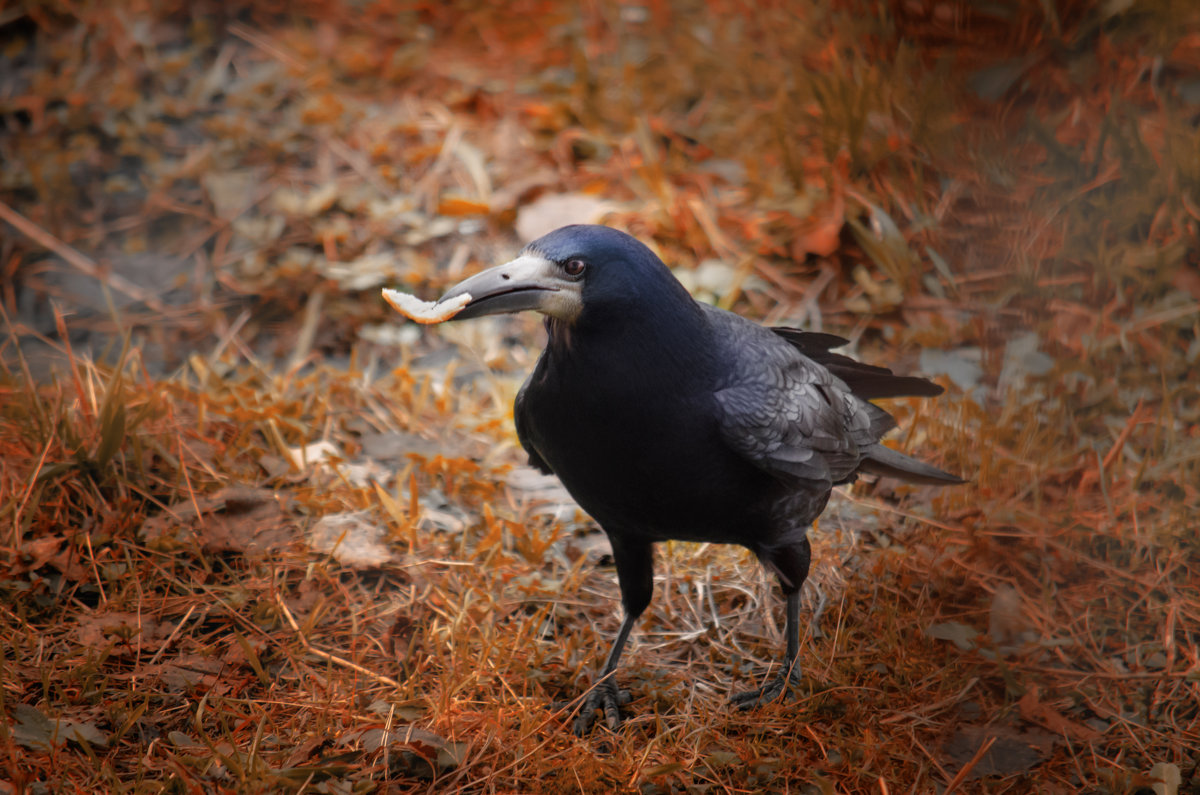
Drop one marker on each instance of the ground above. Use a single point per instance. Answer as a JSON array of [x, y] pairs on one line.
[[257, 534]]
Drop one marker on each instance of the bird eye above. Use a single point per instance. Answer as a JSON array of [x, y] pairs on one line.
[[574, 267]]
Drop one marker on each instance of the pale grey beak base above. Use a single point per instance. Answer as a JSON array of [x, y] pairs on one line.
[[527, 282]]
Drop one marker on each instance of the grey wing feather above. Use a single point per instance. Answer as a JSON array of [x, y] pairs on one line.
[[788, 414]]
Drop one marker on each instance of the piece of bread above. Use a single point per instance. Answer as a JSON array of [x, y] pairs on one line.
[[425, 311]]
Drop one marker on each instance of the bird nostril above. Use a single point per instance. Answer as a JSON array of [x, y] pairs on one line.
[[505, 276]]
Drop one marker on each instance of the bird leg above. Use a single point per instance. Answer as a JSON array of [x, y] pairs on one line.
[[790, 676], [635, 574], [605, 695], [790, 562]]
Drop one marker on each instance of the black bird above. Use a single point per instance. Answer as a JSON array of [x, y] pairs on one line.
[[668, 419]]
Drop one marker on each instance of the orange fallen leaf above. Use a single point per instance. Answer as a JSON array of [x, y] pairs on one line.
[[456, 207]]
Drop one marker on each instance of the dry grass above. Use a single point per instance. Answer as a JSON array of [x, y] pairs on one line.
[[254, 538]]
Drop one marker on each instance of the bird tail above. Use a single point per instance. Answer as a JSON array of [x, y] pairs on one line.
[[881, 460]]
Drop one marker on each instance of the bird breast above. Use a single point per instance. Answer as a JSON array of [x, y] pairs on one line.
[[640, 447]]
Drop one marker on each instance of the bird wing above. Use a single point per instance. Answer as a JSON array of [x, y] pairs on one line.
[[866, 381], [789, 415]]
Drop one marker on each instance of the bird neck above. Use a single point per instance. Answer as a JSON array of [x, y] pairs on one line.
[[661, 342]]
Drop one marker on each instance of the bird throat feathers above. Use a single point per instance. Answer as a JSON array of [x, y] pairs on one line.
[[559, 332]]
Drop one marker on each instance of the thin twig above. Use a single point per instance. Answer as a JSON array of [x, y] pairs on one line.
[[333, 658], [961, 776], [166, 644], [78, 260]]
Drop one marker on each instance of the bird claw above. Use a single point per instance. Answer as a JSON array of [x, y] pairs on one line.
[[778, 686], [604, 696]]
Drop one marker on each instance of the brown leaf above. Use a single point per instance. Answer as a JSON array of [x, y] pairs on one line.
[[1012, 752], [1046, 716], [53, 551], [126, 632], [35, 731], [235, 519], [352, 538], [42, 550]]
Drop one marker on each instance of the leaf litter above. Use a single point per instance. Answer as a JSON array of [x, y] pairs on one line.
[[259, 536]]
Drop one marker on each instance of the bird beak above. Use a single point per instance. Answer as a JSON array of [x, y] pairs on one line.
[[527, 282]]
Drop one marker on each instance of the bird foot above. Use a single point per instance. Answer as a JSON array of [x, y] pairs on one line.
[[777, 687], [604, 696]]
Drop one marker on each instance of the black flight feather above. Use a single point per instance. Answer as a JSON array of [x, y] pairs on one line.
[[866, 381]]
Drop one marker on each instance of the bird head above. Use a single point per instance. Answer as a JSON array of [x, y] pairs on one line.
[[574, 274]]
